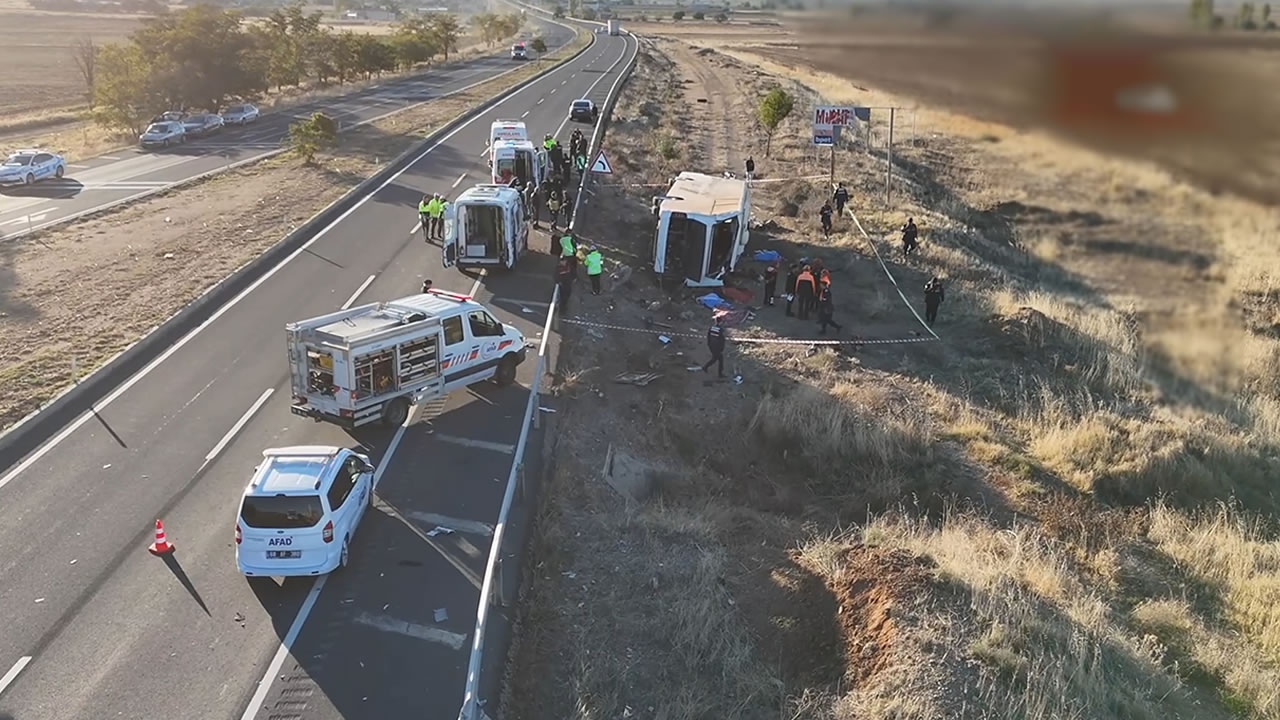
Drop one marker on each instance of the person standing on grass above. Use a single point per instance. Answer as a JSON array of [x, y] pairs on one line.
[[770, 283], [825, 214], [826, 311], [841, 198], [793, 274], [806, 287], [595, 268], [934, 294], [910, 237], [716, 337]]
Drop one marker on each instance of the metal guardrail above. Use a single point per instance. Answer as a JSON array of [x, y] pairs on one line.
[[470, 700]]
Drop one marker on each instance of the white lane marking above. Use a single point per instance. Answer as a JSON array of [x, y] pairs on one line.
[[264, 684], [12, 675], [475, 286], [25, 219], [540, 100], [478, 444], [564, 82], [553, 92], [109, 157], [363, 286], [524, 114], [78, 167], [150, 367], [235, 429], [470, 527], [458, 182], [389, 624]]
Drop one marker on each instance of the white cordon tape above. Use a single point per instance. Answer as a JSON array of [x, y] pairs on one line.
[[470, 706], [753, 183], [889, 275], [758, 341]]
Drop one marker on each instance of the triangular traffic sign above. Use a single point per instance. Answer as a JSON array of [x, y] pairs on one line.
[[601, 165]]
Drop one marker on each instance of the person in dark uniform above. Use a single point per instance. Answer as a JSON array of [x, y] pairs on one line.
[[716, 337], [751, 168], [793, 273], [934, 294], [806, 291], [770, 283], [564, 279], [910, 237], [531, 202], [841, 198], [825, 215], [826, 310], [426, 286]]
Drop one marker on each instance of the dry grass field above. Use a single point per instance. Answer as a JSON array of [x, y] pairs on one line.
[[68, 302], [1062, 509]]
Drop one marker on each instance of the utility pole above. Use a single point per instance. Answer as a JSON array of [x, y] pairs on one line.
[[888, 173]]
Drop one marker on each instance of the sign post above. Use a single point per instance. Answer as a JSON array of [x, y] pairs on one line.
[[827, 121]]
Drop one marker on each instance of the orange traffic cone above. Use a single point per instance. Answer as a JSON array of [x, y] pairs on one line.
[[161, 546]]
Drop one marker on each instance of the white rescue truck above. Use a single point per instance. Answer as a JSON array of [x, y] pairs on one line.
[[512, 159], [373, 362], [485, 226]]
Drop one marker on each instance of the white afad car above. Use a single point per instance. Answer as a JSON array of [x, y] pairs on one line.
[[300, 511]]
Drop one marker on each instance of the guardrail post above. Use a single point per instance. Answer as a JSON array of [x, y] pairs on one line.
[[537, 412], [521, 492], [500, 597]]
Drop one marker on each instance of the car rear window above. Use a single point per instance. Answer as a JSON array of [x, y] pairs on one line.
[[282, 512], [581, 104]]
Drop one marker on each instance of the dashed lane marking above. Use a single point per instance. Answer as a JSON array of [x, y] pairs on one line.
[[389, 624], [504, 448], [12, 675], [470, 527]]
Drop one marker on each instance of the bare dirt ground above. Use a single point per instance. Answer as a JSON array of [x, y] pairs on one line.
[[43, 93], [1060, 510], [72, 297]]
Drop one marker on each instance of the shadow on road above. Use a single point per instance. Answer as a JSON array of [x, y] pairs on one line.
[[175, 567], [47, 190]]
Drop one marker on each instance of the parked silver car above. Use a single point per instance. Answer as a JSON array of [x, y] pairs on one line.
[[201, 125], [163, 134], [241, 114]]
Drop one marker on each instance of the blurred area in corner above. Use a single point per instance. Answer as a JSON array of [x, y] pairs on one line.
[[1133, 80]]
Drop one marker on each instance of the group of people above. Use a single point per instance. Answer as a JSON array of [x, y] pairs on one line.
[[571, 254], [431, 212]]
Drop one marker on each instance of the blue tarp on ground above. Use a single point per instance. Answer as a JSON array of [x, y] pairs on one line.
[[768, 256]]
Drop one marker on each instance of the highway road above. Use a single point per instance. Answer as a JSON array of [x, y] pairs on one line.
[[94, 183], [95, 627]]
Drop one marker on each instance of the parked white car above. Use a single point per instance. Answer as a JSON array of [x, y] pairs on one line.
[[26, 167], [300, 510], [241, 114]]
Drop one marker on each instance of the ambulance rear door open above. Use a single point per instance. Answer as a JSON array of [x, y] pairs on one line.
[[451, 247]]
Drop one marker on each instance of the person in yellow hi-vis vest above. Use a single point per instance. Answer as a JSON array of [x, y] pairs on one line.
[[595, 268], [424, 213]]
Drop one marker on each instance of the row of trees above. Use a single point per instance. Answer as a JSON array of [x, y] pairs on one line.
[[1248, 16], [206, 57], [494, 28]]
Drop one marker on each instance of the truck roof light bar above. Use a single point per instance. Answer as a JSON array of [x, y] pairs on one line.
[[451, 295]]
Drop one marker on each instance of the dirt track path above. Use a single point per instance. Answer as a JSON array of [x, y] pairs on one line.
[[717, 143]]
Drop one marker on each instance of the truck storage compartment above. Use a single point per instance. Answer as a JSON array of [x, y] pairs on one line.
[[482, 225]]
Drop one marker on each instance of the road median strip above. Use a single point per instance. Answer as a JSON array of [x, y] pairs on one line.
[[93, 323]]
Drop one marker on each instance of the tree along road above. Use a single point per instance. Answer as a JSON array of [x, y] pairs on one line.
[[95, 627], [96, 183]]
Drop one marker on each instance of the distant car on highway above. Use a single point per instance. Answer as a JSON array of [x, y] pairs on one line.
[[201, 125], [171, 116], [584, 111], [518, 52], [27, 167], [300, 510], [163, 134], [241, 114]]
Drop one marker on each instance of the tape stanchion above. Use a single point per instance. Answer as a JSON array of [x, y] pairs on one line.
[[754, 340]]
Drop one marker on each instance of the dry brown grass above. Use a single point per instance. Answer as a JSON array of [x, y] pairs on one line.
[[194, 237]]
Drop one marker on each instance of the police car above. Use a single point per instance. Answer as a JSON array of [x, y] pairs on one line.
[[300, 510]]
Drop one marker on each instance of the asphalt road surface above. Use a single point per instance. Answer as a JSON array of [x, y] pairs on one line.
[[95, 627], [95, 183]]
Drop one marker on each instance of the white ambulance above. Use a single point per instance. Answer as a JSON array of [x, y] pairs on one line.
[[485, 226], [517, 160], [507, 130], [373, 362]]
